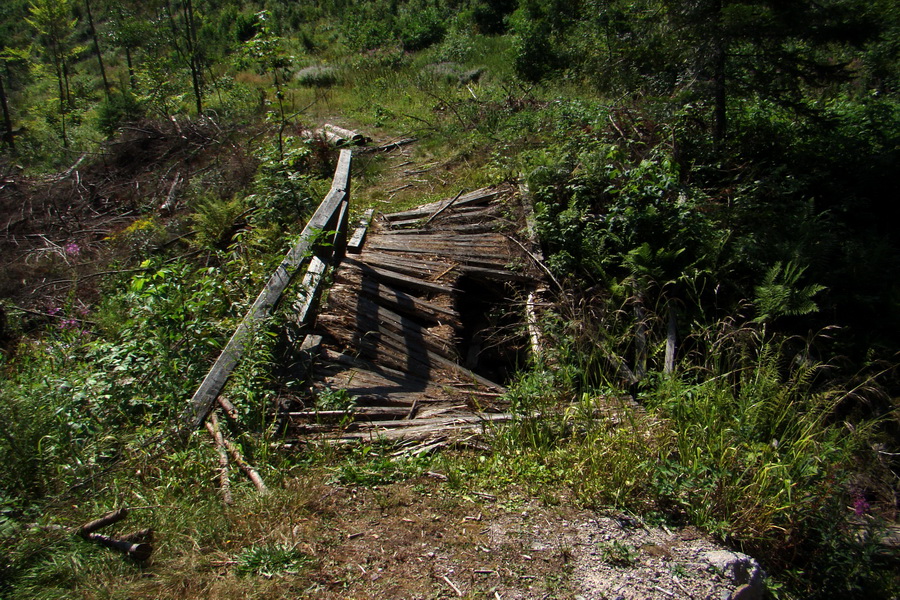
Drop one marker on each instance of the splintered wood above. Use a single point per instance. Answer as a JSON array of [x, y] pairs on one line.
[[394, 322]]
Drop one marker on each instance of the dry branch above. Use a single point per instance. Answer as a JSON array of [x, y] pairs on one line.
[[212, 425], [252, 473]]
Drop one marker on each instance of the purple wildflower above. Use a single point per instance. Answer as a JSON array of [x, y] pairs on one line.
[[54, 311], [860, 505], [72, 249], [68, 324]]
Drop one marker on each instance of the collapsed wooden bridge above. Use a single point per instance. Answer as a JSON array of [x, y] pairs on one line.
[[423, 322]]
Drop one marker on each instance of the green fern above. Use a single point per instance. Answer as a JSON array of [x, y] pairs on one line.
[[779, 295], [215, 220]]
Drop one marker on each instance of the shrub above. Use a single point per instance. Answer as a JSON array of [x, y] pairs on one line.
[[118, 110]]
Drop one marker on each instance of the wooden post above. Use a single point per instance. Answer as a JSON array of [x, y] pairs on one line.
[[354, 246], [671, 339]]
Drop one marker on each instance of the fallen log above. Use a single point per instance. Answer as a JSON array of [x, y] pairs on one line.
[[354, 137], [133, 544], [104, 521], [138, 552]]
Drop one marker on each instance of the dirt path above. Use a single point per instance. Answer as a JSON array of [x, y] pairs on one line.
[[424, 539]]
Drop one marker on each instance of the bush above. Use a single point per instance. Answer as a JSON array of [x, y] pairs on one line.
[[317, 76], [119, 109]]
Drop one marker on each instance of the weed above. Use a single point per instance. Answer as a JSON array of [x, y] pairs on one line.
[[270, 560], [618, 554], [373, 465]]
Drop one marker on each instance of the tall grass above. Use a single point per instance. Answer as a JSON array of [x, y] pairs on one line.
[[755, 447]]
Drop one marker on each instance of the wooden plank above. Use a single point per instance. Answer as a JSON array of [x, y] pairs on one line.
[[496, 274], [396, 430], [354, 246], [407, 265], [212, 385], [486, 240], [381, 319], [363, 365], [341, 179], [403, 303], [397, 278], [464, 228], [357, 413], [448, 420], [339, 240], [428, 358], [459, 254], [308, 351], [442, 209], [480, 195]]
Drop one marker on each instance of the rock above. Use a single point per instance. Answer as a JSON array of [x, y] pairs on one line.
[[742, 570], [748, 592]]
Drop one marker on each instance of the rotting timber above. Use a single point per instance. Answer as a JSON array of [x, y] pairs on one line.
[[424, 321]]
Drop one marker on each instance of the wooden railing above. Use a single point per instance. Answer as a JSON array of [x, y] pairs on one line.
[[330, 216]]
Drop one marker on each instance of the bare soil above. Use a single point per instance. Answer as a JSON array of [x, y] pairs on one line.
[[423, 540]]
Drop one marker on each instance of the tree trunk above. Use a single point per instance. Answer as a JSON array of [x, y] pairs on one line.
[[63, 104], [93, 30], [190, 31], [719, 58], [8, 138], [132, 79]]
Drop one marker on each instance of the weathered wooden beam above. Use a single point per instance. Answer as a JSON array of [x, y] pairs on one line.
[[496, 274], [309, 290], [480, 195], [396, 430], [404, 280], [373, 317], [381, 371], [367, 413], [341, 179], [413, 266], [354, 246], [442, 209], [339, 240], [410, 305], [390, 145], [328, 211]]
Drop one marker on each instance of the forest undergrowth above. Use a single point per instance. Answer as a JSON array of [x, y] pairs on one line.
[[721, 351]]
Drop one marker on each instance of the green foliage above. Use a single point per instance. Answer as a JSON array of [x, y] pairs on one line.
[[618, 554], [283, 187], [119, 109], [779, 294], [216, 219], [270, 560], [373, 465]]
